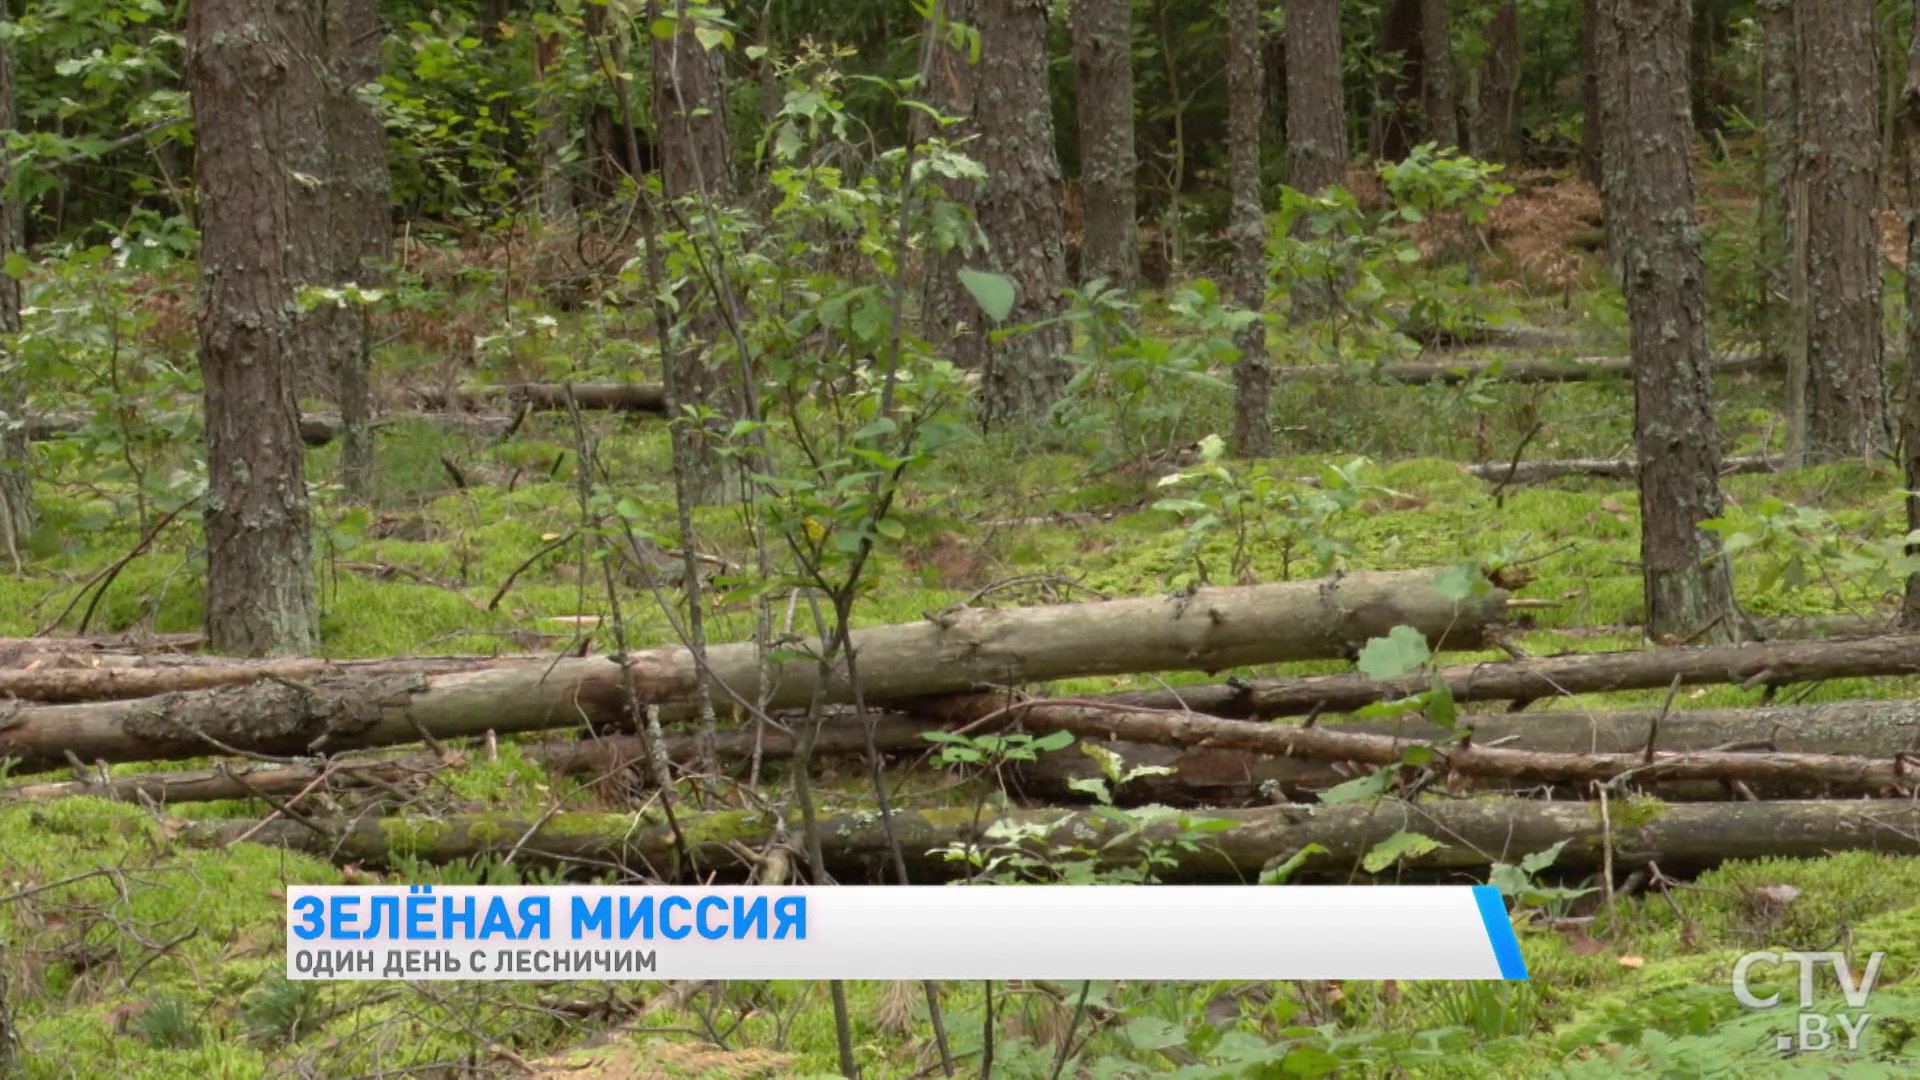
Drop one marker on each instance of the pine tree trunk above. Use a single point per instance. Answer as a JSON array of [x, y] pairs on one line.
[[1400, 89], [556, 188], [1246, 92], [1910, 415], [253, 74], [1436, 72], [1590, 92], [361, 206], [1496, 120], [1018, 208], [17, 515], [1779, 106], [1650, 194], [1103, 91], [1316, 122], [696, 162], [1839, 159]]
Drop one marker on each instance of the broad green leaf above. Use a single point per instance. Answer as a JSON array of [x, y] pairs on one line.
[[1053, 740], [1358, 789], [1540, 860], [1440, 708], [993, 292], [1396, 847], [1153, 1033], [1403, 650]]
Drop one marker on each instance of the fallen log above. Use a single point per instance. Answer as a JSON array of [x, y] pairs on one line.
[[1771, 627], [317, 429], [599, 757], [1204, 774], [1471, 834], [1533, 472], [1519, 370], [614, 397], [20, 652], [1773, 663], [1471, 758], [1212, 775], [123, 677], [1207, 629]]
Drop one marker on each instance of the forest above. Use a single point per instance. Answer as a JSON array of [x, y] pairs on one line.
[[960, 442]]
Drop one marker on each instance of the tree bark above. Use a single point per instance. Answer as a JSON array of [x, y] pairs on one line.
[[1650, 194], [1006, 100], [696, 163], [1436, 69], [1316, 124], [1495, 124], [1400, 89], [556, 187], [1779, 110], [1839, 158], [1682, 839], [1590, 151], [1253, 371], [1767, 664], [1103, 93], [1910, 414], [360, 204], [1212, 629], [18, 516], [253, 74]]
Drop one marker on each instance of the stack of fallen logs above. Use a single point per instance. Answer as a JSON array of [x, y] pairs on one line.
[[1782, 780]]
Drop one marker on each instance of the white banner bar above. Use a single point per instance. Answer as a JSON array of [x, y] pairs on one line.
[[1065, 932]]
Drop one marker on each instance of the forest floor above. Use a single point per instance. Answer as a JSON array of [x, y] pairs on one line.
[[135, 955]]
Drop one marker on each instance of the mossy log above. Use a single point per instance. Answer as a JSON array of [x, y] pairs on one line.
[[1518, 369], [615, 397], [316, 429], [1471, 833], [1534, 472], [1773, 663], [1206, 629]]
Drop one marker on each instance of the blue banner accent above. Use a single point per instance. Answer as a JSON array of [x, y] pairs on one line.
[[1506, 946]]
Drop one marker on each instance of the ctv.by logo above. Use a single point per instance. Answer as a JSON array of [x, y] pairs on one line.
[[1814, 1034]]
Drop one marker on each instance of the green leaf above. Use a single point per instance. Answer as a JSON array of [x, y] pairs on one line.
[[1396, 847], [1440, 708], [630, 509], [1278, 875], [1540, 860], [1458, 583], [1358, 789], [1153, 1033], [1053, 740], [993, 292], [890, 528], [1404, 649]]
